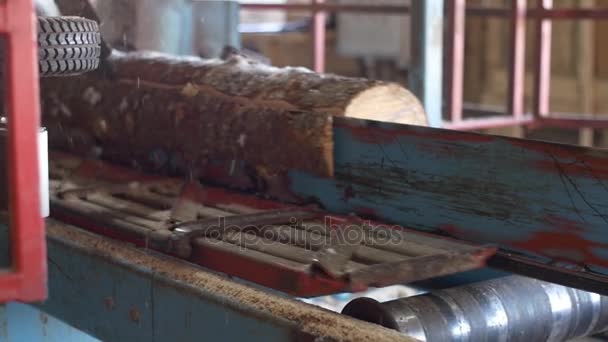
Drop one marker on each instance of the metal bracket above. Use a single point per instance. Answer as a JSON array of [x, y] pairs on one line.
[[180, 241], [299, 250]]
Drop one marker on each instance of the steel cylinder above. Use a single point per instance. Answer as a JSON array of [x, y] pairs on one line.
[[512, 308]]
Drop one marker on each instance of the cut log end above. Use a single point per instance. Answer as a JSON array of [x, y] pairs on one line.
[[387, 102]]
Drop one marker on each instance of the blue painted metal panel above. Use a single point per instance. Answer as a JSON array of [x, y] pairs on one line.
[[547, 200], [117, 302], [21, 322], [116, 292], [219, 320]]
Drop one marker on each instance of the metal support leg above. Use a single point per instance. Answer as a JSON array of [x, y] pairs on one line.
[[426, 71]]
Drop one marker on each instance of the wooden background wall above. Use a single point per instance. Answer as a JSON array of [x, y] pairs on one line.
[[579, 68]]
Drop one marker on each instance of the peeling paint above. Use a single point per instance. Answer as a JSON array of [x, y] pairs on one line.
[[542, 199]]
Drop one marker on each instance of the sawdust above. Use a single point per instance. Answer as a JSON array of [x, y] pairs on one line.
[[317, 322]]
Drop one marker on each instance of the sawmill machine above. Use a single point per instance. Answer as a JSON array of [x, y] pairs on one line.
[[205, 197]]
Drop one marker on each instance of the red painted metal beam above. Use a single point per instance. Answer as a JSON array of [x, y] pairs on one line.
[[268, 262], [28, 248], [10, 286]]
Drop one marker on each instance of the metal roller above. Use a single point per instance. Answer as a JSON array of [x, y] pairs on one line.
[[513, 308]]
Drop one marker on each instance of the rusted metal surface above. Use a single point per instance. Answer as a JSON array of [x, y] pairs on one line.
[[547, 202], [334, 256], [472, 187], [560, 273], [427, 267], [180, 241], [280, 246]]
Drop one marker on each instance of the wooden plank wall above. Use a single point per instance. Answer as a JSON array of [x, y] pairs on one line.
[[487, 49]]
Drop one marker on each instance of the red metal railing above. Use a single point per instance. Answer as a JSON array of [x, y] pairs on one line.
[[456, 15], [319, 8], [541, 115], [26, 280]]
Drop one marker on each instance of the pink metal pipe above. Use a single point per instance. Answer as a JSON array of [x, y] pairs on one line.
[[488, 122], [542, 69], [455, 67], [517, 63], [318, 34], [574, 121]]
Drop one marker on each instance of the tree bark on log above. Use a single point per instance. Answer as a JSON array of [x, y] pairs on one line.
[[157, 111]]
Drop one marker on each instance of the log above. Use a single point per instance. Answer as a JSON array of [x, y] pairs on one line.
[[156, 111]]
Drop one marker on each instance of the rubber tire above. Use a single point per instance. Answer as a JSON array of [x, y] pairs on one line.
[[67, 45]]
